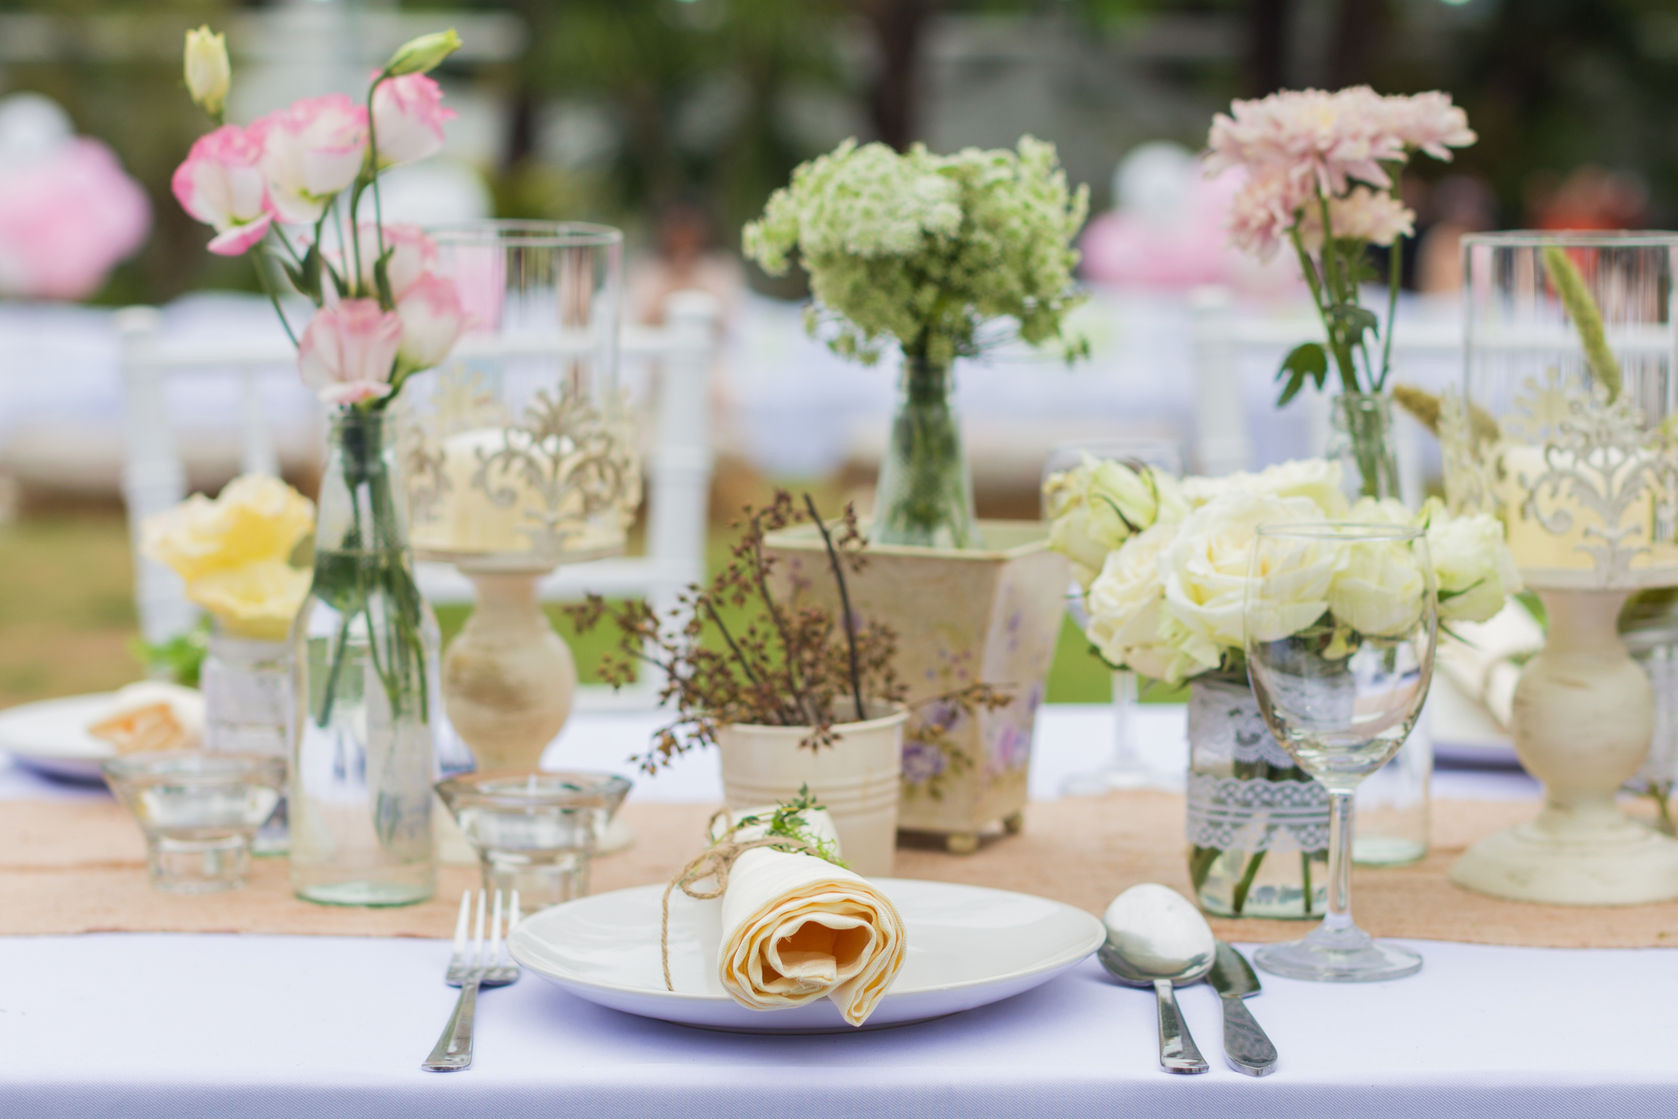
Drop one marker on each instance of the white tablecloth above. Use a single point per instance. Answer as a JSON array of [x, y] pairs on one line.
[[249, 1026]]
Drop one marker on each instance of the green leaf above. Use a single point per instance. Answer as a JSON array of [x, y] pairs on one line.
[[1350, 322], [1308, 359]]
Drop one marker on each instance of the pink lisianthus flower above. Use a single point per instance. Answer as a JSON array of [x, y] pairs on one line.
[[1429, 122], [408, 118], [348, 352], [412, 255], [310, 152], [221, 184], [433, 319], [1373, 216]]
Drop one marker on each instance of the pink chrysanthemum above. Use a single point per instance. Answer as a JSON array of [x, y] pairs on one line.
[[1372, 216]]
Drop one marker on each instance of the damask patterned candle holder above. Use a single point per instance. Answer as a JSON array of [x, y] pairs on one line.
[[521, 455], [1566, 433]]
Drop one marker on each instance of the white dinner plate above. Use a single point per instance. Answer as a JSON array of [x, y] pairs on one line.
[[51, 736], [967, 946]]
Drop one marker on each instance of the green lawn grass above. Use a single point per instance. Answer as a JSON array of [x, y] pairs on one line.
[[67, 616]]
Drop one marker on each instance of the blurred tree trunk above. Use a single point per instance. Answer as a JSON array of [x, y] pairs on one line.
[[1267, 45], [1357, 34], [899, 28]]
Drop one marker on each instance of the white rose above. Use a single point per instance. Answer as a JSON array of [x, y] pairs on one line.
[[1314, 479], [1379, 589], [1472, 566], [1125, 599], [1207, 573], [1381, 511], [1099, 504]]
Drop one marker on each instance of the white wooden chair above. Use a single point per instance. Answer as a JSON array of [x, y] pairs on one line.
[[677, 359], [1232, 345]]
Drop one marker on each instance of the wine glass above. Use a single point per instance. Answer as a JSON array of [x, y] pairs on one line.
[[1126, 768], [1340, 627]]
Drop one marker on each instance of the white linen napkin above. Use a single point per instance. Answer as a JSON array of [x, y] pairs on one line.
[[796, 928]]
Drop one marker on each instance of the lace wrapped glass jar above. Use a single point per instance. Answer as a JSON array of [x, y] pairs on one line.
[[1257, 823]]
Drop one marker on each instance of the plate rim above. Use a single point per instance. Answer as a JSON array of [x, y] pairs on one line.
[[1062, 960]]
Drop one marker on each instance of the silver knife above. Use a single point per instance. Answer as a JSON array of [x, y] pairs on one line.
[[1246, 1048]]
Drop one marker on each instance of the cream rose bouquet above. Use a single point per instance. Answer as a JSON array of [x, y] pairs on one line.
[[1166, 598], [1165, 573], [237, 553]]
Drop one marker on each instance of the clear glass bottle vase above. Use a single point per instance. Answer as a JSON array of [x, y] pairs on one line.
[[366, 647], [247, 686], [925, 493], [1393, 805], [1258, 825]]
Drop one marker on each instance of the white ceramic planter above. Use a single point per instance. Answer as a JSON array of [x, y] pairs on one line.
[[856, 779]]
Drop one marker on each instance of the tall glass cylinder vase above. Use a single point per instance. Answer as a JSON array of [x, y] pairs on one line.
[[366, 648], [1393, 805], [1257, 823], [925, 493], [246, 682]]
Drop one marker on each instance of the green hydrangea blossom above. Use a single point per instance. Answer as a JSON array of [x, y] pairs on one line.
[[924, 249]]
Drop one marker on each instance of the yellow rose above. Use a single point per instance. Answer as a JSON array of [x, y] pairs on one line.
[[256, 517], [257, 599], [1207, 573]]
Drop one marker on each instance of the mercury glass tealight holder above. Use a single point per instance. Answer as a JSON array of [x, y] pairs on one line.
[[535, 832], [198, 812], [1566, 432], [520, 455]]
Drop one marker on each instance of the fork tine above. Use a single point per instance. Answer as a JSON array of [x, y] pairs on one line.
[[494, 954], [460, 925], [478, 959]]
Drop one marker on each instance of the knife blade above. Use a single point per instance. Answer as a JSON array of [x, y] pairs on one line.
[[1246, 1047]]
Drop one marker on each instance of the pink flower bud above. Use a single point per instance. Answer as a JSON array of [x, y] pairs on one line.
[[432, 321]]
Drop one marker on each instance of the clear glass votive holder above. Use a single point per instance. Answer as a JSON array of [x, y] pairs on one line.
[[535, 832], [198, 812]]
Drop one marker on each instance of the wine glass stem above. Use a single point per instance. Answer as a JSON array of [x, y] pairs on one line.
[[1339, 915], [1126, 759]]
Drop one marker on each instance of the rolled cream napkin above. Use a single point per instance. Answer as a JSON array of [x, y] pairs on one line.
[[1484, 659], [796, 928], [151, 716]]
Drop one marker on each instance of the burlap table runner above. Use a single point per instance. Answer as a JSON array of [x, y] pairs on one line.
[[79, 867]]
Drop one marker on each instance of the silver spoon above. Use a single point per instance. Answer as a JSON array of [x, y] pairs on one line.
[[1156, 938]]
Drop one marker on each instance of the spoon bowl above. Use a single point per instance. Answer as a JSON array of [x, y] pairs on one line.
[[1157, 938]]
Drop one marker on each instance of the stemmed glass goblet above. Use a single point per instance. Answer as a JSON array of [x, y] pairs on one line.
[[1340, 627], [1126, 768]]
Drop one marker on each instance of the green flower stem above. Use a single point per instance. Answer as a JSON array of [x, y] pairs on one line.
[[925, 494], [1395, 261], [273, 298]]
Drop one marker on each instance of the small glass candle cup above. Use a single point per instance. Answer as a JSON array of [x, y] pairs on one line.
[[535, 831], [198, 812]]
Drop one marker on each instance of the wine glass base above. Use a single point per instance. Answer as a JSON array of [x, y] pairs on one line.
[[1365, 961]]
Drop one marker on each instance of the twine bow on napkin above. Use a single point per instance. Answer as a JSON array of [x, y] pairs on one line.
[[714, 863]]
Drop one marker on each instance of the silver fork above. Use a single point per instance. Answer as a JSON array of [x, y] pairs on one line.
[[473, 964]]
